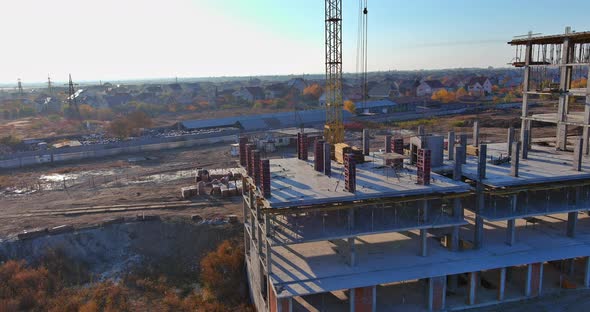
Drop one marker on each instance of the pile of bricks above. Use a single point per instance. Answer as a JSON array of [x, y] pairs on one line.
[[265, 178], [397, 146], [424, 166]]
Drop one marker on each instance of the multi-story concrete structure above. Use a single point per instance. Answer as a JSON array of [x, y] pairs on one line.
[[498, 222]]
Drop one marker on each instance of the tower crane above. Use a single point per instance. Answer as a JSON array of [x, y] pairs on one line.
[[334, 128]]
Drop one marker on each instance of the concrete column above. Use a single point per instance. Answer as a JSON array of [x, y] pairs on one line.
[[351, 252], [501, 284], [423, 242], [425, 211], [276, 304], [454, 239], [578, 153], [511, 224], [515, 159], [480, 207], [451, 145], [510, 140], [476, 133], [366, 143], [587, 272], [524, 145], [350, 220], [463, 139], [363, 299], [572, 220], [534, 279], [268, 259], [387, 148], [458, 166], [437, 289], [478, 236], [481, 165], [472, 281], [586, 133], [327, 159]]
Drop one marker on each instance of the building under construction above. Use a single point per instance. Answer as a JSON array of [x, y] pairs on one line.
[[448, 222]]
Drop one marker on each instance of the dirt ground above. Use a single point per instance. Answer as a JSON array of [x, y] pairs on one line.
[[122, 180]]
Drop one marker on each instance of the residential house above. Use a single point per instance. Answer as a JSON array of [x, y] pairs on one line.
[[297, 83], [429, 87], [275, 91], [479, 86], [408, 87], [249, 94], [384, 90]]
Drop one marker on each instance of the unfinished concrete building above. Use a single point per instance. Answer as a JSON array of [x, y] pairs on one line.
[[492, 223]]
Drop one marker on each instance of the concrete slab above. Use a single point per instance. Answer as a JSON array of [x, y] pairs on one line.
[[544, 165], [295, 183], [318, 267]]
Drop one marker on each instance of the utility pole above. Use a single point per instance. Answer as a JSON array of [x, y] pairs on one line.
[[21, 93], [72, 103], [49, 85]]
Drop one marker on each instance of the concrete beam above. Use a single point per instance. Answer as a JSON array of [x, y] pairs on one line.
[[587, 272], [572, 221], [451, 145], [363, 299], [437, 289], [501, 284]]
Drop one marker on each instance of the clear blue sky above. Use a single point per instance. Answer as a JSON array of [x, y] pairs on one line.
[[124, 39]]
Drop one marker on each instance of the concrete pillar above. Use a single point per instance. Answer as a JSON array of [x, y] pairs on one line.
[[454, 239], [510, 140], [437, 289], [387, 148], [366, 143], [525, 90], [478, 236], [587, 272], [524, 145], [481, 165], [351, 252], [501, 284], [586, 133], [276, 304], [350, 220], [578, 153], [515, 159], [480, 207], [421, 131], [476, 133], [472, 281], [451, 145], [423, 242], [511, 232], [463, 139], [534, 280], [327, 159], [458, 166], [363, 299], [572, 220]]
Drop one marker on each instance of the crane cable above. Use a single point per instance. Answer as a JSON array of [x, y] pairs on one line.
[[361, 53]]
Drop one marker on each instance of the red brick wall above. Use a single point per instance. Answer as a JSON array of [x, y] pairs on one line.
[[363, 299]]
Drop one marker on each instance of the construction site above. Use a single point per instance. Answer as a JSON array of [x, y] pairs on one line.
[[431, 221]]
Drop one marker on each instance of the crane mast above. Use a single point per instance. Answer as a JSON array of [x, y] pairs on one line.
[[334, 128]]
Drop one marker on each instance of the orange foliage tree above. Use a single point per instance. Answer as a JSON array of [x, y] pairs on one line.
[[313, 91], [444, 96], [349, 106], [222, 272], [580, 83], [460, 93]]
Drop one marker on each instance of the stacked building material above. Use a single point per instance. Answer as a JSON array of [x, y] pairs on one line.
[[189, 192], [318, 164], [243, 142], [349, 173], [265, 177], [423, 166]]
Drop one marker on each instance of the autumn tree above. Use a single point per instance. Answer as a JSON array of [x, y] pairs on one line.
[[313, 92], [222, 272], [580, 83], [444, 96], [461, 92], [87, 111], [349, 106]]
